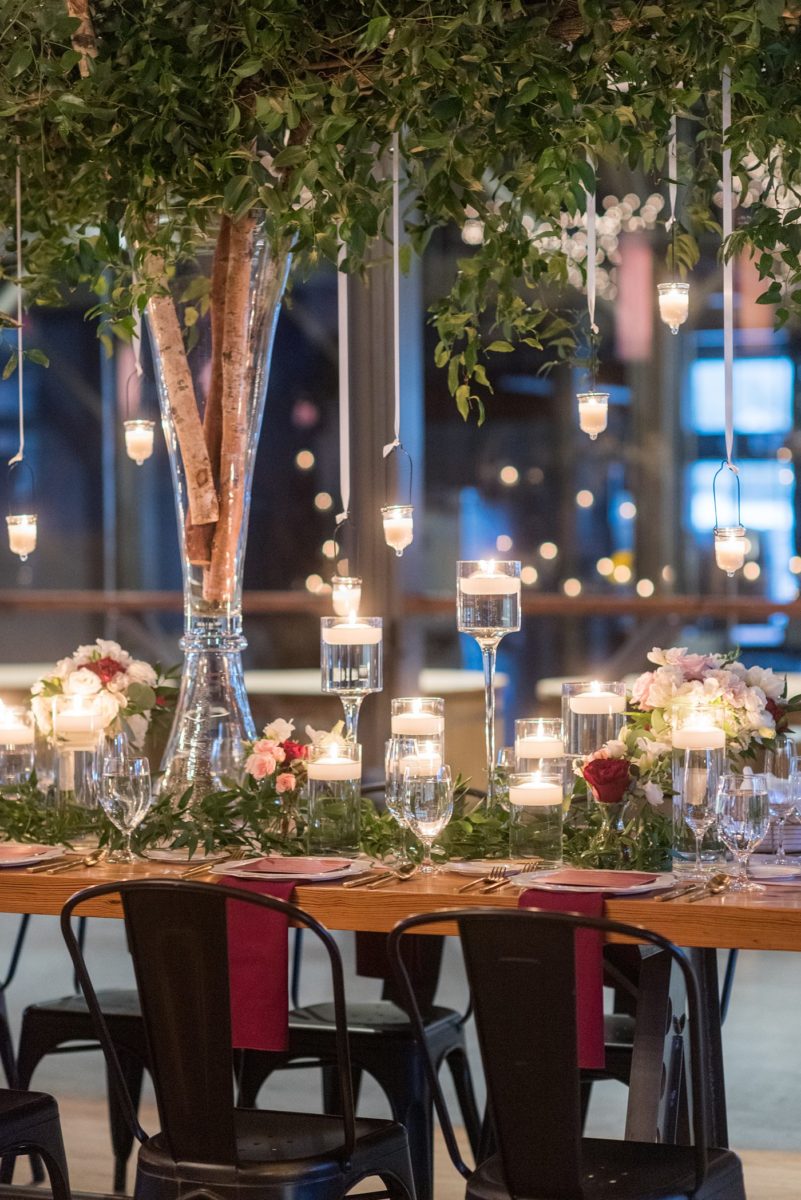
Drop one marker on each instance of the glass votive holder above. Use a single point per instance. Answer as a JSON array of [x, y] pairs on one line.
[[538, 740], [398, 526], [78, 726], [535, 815], [674, 304], [418, 716], [731, 545], [593, 412], [22, 530], [346, 595], [350, 654], [334, 776], [139, 439], [592, 713], [17, 735], [698, 762]]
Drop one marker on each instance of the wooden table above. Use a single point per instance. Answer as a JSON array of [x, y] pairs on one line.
[[764, 922]]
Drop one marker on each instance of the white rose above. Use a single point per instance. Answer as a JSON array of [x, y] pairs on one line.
[[82, 682], [63, 668], [108, 708], [141, 672], [137, 728], [768, 681], [616, 748], [118, 684], [653, 794], [279, 730], [113, 650]]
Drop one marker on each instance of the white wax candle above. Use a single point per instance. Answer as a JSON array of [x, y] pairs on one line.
[[418, 724], [334, 769], [539, 747], [695, 784], [420, 765], [487, 583], [674, 305], [597, 703], [593, 416], [352, 634], [536, 794], [139, 444], [15, 733], [398, 532], [22, 538], [730, 553], [699, 737], [345, 599]]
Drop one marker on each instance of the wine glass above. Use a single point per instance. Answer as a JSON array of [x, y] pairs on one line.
[[126, 796], [781, 768], [427, 801], [699, 812], [743, 820], [397, 750], [488, 607]]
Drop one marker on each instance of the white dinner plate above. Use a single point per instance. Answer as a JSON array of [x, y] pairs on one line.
[[774, 873], [482, 866], [166, 855], [541, 880], [26, 854], [237, 870]]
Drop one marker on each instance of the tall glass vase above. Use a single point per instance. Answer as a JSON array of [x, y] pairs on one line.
[[212, 339]]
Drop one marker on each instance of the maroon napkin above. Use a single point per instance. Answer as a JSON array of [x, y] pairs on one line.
[[589, 968], [258, 961]]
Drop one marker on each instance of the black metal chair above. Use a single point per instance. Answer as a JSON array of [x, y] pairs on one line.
[[521, 969], [178, 940], [29, 1124], [7, 1056]]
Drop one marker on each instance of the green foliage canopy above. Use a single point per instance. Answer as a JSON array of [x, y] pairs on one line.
[[191, 108]]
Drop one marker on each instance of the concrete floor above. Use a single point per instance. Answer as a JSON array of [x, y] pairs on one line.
[[761, 1043]]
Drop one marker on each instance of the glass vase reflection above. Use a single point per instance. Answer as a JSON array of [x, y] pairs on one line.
[[535, 816], [334, 775], [351, 663], [16, 745]]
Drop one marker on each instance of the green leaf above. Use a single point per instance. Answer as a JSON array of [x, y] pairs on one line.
[[35, 355], [499, 347], [11, 365], [375, 33]]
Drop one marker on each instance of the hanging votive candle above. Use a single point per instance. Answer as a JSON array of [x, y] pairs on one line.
[[22, 534], [398, 526], [139, 440], [674, 304], [346, 595], [731, 546], [593, 410]]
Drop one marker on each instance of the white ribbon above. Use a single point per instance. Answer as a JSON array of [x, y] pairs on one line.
[[728, 274], [591, 250], [18, 457], [672, 171], [136, 313], [390, 446], [344, 387]]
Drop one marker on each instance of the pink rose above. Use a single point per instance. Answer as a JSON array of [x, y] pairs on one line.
[[285, 782], [279, 754], [265, 746], [260, 765]]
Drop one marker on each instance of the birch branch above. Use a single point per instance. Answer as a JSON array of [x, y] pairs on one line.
[[83, 40]]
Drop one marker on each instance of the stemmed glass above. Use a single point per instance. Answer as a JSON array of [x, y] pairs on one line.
[[781, 771], [398, 750], [427, 807], [699, 812], [488, 607], [126, 796], [743, 820]]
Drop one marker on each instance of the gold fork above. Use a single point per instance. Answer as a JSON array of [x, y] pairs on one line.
[[91, 860], [204, 868], [493, 876]]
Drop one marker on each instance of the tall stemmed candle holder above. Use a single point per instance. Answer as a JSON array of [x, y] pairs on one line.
[[16, 744], [351, 663], [698, 763], [593, 713], [334, 774], [488, 607], [418, 717]]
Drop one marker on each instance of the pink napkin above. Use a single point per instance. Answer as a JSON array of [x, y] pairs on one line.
[[589, 968], [258, 961]]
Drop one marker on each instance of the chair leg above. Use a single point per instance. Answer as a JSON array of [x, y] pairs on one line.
[[332, 1097], [253, 1072], [122, 1137], [7, 1056], [586, 1094], [463, 1084]]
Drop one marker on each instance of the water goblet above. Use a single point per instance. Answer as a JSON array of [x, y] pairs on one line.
[[488, 607], [781, 769], [125, 796], [427, 807], [743, 820], [398, 750], [699, 813]]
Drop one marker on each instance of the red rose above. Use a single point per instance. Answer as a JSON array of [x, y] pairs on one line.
[[608, 778], [105, 669], [294, 750], [778, 712]]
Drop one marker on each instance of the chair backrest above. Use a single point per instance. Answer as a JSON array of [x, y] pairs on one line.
[[177, 936], [521, 969]]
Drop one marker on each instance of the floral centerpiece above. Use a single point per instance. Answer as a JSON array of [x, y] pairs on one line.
[[128, 694], [630, 777]]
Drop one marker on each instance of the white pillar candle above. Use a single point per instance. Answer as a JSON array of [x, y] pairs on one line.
[[536, 794], [674, 304], [22, 535], [76, 723], [539, 747], [398, 531], [334, 768], [420, 766], [139, 440], [593, 410], [14, 732], [417, 724], [489, 583], [352, 633], [597, 702], [699, 737]]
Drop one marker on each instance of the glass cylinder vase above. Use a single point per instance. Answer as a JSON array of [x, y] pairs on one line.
[[334, 775], [212, 388], [698, 762], [536, 815]]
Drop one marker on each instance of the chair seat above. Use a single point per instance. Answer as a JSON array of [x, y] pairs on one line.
[[631, 1171], [282, 1147], [25, 1105], [115, 1002], [378, 1016]]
